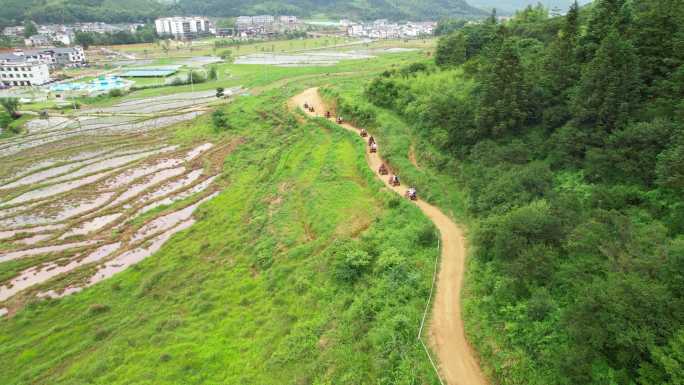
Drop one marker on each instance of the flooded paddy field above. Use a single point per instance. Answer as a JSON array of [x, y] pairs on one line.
[[85, 196]]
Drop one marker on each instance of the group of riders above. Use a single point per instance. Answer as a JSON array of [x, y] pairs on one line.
[[411, 193]]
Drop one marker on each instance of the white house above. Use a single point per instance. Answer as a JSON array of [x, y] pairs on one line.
[[18, 71], [182, 27], [288, 19], [46, 39], [263, 19]]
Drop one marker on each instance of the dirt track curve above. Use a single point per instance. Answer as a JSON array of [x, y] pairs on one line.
[[457, 363]]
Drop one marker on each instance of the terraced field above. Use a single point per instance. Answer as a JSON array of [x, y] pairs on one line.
[[84, 196], [142, 244]]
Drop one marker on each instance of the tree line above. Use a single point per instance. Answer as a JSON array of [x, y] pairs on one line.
[[568, 135]]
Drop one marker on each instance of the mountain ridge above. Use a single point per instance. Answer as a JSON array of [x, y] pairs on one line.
[[113, 11]]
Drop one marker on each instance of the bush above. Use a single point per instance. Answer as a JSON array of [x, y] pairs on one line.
[[213, 74], [506, 237], [97, 308], [349, 264], [11, 105], [116, 93], [196, 77], [220, 121]]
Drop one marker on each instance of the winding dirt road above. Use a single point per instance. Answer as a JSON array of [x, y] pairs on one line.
[[457, 362]]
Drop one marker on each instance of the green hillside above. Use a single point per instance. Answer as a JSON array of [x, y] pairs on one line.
[[365, 9], [68, 11], [58, 11]]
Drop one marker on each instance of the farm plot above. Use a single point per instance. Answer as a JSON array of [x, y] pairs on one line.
[[83, 197]]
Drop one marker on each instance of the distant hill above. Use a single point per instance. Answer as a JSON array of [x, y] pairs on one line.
[[69, 11], [361, 9], [510, 6]]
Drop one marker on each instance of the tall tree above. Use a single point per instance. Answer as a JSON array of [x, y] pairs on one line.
[[451, 50], [605, 17], [609, 89], [657, 36], [30, 28], [504, 94], [562, 68]]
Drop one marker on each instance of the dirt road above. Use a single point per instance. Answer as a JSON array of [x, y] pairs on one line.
[[457, 362]]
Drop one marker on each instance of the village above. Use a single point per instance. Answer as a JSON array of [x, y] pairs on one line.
[[49, 48]]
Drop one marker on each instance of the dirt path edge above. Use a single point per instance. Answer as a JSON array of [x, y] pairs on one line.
[[458, 364]]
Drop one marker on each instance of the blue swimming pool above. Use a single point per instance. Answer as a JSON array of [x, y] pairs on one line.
[[102, 83]]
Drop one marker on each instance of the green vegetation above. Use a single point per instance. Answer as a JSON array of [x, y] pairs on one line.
[[303, 269], [219, 120], [70, 11], [60, 11], [11, 106], [565, 134], [145, 34]]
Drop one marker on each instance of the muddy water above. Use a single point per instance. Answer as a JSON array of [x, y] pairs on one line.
[[129, 176], [167, 221], [162, 98], [170, 187], [43, 175], [37, 125], [311, 58], [106, 164], [61, 212], [155, 179], [27, 171], [42, 250], [32, 230], [92, 225], [197, 151], [122, 262], [49, 191], [175, 198], [38, 275], [78, 162], [34, 239], [158, 122]]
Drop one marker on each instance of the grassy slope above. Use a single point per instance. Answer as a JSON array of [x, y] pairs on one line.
[[440, 188], [248, 295]]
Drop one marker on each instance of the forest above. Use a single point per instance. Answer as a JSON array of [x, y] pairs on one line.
[[567, 135], [14, 12], [113, 11]]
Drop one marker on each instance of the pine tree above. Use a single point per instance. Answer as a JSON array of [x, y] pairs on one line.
[[657, 25], [562, 70], [609, 89], [451, 50], [562, 66], [503, 95], [605, 17]]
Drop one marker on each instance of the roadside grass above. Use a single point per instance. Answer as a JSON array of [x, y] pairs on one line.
[[303, 270], [434, 179]]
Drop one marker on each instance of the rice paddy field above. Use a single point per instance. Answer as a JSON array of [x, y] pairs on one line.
[[140, 245]]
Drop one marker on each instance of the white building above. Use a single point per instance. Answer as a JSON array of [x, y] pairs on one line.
[[265, 24], [17, 31], [54, 57], [288, 19], [263, 19], [18, 71], [182, 27], [68, 57]]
